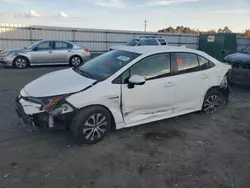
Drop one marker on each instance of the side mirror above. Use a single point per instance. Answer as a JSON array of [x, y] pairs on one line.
[[136, 80], [35, 49]]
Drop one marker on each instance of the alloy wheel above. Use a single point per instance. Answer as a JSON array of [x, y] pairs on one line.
[[95, 127], [76, 61], [21, 63], [212, 104]]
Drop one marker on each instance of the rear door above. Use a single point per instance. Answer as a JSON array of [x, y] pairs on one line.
[[42, 54], [62, 51], [191, 81]]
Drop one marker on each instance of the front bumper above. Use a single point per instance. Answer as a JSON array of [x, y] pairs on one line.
[[33, 116], [7, 61]]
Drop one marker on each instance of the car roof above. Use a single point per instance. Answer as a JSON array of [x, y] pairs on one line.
[[158, 49], [56, 41]]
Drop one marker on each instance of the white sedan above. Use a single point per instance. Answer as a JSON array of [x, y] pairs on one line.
[[124, 88]]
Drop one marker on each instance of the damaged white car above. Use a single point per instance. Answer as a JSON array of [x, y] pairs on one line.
[[124, 88]]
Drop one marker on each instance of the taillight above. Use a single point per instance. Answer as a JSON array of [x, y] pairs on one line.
[[86, 50]]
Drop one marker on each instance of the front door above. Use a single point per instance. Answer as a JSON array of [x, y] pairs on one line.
[[153, 99], [42, 54]]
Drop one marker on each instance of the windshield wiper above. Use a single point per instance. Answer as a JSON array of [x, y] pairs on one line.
[[83, 73]]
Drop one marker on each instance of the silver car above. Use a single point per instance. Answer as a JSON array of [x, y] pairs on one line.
[[46, 52]]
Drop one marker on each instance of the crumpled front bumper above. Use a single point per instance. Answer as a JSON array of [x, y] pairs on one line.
[[33, 115]]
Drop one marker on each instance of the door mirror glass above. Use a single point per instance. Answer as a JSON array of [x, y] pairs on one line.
[[137, 80]]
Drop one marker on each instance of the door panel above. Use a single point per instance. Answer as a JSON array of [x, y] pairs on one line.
[[62, 52], [156, 96], [191, 81], [42, 53]]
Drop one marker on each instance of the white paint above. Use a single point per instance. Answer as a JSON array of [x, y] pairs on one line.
[[57, 83], [155, 100]]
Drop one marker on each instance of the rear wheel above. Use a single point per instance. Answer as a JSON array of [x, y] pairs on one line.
[[20, 62], [213, 101], [91, 125], [75, 61]]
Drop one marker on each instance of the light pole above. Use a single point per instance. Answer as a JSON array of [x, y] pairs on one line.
[[145, 26]]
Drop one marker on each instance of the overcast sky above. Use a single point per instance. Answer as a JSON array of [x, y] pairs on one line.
[[128, 14]]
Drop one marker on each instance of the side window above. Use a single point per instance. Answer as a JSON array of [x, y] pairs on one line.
[[143, 42], [204, 63], [163, 42], [61, 45], [152, 42], [186, 62], [44, 46], [152, 67]]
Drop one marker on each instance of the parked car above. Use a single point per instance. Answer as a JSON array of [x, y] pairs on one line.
[[240, 62], [46, 52], [124, 88], [144, 41]]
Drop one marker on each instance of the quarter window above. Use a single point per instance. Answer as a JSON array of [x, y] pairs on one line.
[[163, 42], [152, 67], [204, 63], [186, 62]]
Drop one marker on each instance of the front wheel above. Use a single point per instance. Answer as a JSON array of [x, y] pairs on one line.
[[213, 101], [20, 62], [91, 125]]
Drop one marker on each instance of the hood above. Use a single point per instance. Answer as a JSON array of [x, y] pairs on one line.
[[117, 47], [238, 57], [57, 83], [13, 51]]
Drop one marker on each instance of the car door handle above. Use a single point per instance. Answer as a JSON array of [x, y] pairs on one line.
[[204, 76], [50, 52], [169, 84]]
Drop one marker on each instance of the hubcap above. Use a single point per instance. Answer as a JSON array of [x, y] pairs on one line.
[[211, 104], [95, 126], [21, 63], [75, 61]]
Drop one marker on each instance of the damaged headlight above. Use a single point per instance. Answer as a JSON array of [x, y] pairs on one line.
[[54, 105]]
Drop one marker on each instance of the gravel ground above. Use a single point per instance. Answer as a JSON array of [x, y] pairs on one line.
[[191, 151]]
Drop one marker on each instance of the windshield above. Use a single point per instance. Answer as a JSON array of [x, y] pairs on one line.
[[133, 42], [107, 64], [32, 46]]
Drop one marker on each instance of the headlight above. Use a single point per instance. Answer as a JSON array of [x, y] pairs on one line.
[[4, 54]]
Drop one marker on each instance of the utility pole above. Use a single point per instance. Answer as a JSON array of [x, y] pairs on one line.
[[145, 26]]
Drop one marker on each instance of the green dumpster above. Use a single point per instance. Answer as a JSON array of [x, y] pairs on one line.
[[218, 45]]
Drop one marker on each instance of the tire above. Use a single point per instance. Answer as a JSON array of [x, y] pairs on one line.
[[213, 101], [85, 127], [75, 61], [20, 62]]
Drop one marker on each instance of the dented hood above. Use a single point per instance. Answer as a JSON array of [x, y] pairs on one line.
[[57, 83]]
